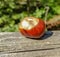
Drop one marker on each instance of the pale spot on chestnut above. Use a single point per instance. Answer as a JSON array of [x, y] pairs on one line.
[[29, 23]]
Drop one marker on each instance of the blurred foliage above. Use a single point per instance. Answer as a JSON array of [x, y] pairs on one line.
[[12, 11]]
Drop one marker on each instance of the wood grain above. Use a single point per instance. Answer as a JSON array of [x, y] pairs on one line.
[[13, 44]]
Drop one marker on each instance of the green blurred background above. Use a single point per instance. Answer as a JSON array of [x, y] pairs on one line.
[[12, 11]]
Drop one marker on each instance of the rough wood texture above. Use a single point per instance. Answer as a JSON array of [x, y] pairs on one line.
[[53, 23], [13, 44]]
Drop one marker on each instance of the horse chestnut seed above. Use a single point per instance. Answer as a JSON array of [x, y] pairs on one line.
[[32, 27]]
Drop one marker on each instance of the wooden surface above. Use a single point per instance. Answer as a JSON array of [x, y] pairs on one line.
[[13, 44]]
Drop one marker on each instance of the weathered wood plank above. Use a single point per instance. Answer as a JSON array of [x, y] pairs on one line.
[[13, 44], [47, 53]]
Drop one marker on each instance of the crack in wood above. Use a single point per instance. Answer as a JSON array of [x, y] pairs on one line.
[[7, 52]]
